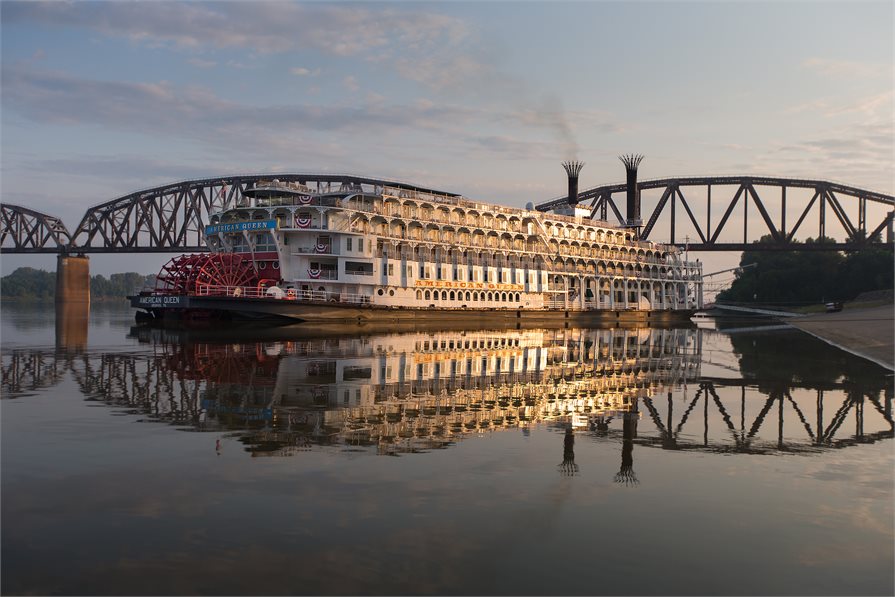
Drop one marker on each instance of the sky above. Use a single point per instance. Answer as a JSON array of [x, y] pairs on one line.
[[99, 99]]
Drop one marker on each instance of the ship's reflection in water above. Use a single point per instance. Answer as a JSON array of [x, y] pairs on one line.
[[524, 461], [403, 393]]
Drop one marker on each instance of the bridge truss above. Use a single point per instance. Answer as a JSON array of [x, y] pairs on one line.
[[165, 219], [28, 231], [830, 203]]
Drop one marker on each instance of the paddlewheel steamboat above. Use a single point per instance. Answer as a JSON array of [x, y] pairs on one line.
[[361, 249]]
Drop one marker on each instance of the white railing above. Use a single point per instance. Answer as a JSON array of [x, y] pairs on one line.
[[313, 251], [288, 294]]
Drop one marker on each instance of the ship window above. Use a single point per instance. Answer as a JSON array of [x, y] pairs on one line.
[[379, 292], [453, 296], [419, 295], [360, 245], [265, 242], [391, 269], [391, 292], [428, 295], [262, 265], [276, 265], [444, 295], [348, 243], [467, 295], [358, 268]]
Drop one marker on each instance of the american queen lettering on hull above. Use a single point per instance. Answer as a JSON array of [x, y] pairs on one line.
[[364, 249]]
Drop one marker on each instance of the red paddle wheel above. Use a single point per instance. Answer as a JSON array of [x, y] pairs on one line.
[[205, 274]]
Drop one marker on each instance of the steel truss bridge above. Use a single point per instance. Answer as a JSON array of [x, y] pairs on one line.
[[171, 218], [830, 203], [165, 219]]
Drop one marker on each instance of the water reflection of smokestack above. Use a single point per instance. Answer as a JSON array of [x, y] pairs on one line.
[[629, 432], [568, 466], [71, 325], [572, 169]]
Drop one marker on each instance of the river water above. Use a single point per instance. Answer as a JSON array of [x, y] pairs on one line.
[[747, 458]]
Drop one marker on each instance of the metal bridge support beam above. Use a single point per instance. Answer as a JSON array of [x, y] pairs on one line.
[[72, 279]]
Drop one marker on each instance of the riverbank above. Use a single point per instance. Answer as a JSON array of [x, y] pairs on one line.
[[868, 332]]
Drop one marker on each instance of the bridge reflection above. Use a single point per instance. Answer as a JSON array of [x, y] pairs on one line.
[[412, 392]]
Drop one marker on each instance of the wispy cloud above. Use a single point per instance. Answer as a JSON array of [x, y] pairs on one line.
[[201, 63], [350, 83], [440, 52], [846, 69], [873, 106], [847, 153], [198, 114], [300, 71], [263, 27]]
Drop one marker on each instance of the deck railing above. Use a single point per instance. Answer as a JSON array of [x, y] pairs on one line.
[[289, 294]]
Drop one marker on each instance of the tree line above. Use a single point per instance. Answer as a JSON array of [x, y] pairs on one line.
[[28, 283], [810, 276]]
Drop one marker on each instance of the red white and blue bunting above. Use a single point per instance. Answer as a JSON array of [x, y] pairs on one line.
[[304, 199], [321, 248], [303, 222], [313, 273]]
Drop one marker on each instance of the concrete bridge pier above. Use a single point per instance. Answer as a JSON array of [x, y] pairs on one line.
[[72, 279]]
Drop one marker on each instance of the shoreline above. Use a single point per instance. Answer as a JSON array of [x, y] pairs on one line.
[[865, 332]]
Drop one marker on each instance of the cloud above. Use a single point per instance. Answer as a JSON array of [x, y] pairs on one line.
[[300, 71], [847, 153], [163, 108], [440, 52], [350, 83], [845, 69], [263, 27], [200, 63]]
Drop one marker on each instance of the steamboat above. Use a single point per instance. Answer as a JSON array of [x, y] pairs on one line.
[[363, 250]]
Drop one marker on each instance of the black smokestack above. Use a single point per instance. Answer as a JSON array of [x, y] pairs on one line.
[[572, 169], [631, 163]]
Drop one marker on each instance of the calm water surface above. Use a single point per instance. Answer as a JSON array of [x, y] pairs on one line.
[[306, 461]]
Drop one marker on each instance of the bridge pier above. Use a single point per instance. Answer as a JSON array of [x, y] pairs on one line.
[[72, 279], [72, 324]]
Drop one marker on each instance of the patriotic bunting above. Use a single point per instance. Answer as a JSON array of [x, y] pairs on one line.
[[303, 222], [314, 273]]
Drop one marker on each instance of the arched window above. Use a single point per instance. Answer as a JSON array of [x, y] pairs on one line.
[[419, 295], [490, 296], [428, 295], [503, 297], [467, 296], [453, 295], [444, 295], [435, 296]]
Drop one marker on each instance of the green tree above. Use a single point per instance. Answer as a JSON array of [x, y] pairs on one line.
[[809, 276]]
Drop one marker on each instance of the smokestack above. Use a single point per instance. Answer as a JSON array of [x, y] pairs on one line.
[[572, 169], [631, 163]]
